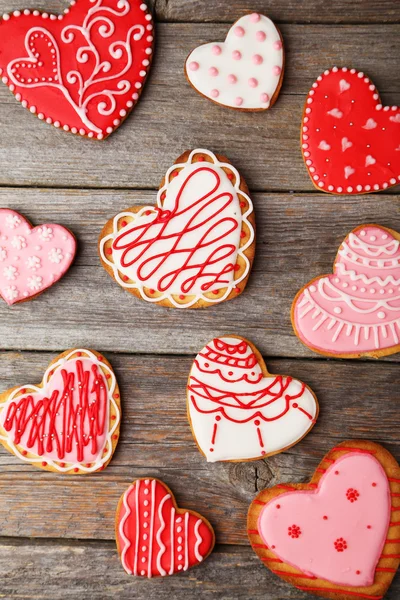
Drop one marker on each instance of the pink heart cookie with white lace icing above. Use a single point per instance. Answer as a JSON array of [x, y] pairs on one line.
[[237, 410], [336, 536], [246, 71], [70, 422], [356, 310], [31, 258]]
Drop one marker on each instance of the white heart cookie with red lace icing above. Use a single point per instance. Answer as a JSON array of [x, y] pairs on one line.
[[195, 247], [239, 411]]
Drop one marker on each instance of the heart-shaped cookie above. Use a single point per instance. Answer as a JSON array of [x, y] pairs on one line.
[[31, 258], [246, 71], [194, 248], [355, 311], [82, 71], [155, 537], [70, 422], [337, 536], [350, 142], [239, 411]]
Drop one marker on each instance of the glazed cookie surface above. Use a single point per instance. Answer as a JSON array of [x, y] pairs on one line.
[[246, 71], [82, 71], [237, 410], [154, 537], [337, 536], [70, 422], [356, 310], [195, 247]]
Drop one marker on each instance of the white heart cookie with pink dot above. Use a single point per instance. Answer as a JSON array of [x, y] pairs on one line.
[[244, 72]]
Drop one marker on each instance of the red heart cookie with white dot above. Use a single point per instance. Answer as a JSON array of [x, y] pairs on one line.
[[82, 71], [156, 538], [337, 536], [350, 142]]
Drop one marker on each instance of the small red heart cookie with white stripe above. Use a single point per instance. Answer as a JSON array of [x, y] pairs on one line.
[[70, 422], [350, 142], [156, 538], [337, 536], [195, 247]]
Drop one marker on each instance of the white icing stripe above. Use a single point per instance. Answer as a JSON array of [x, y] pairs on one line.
[[357, 259], [158, 536], [171, 570], [127, 542], [350, 300], [102, 459], [374, 250], [153, 487], [341, 268], [137, 534], [199, 539], [185, 568]]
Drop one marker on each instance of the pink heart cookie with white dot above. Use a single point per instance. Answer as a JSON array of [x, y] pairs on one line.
[[337, 536], [31, 258], [350, 142], [82, 71], [246, 71]]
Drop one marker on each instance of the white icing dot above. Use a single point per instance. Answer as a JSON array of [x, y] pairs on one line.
[[381, 314], [313, 288], [337, 310]]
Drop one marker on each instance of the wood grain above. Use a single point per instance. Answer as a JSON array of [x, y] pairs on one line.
[[171, 117], [297, 238]]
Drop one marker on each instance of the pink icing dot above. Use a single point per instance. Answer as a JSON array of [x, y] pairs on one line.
[[239, 31], [193, 66], [216, 50], [257, 59], [238, 101], [214, 93], [232, 78], [213, 71], [261, 36], [276, 70], [255, 17], [253, 82], [236, 55], [278, 45], [264, 98]]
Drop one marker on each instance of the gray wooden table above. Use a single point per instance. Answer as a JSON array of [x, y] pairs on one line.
[[57, 533]]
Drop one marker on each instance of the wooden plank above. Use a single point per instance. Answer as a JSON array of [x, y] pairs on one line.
[[156, 441], [298, 236], [172, 117]]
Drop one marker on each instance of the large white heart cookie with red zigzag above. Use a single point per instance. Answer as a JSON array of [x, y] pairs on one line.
[[337, 536], [239, 411], [82, 71], [70, 422], [155, 538], [350, 142], [195, 247]]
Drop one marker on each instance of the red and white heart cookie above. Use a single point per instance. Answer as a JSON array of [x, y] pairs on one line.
[[31, 258], [350, 142], [337, 536], [237, 410], [82, 71], [195, 247], [70, 422], [156, 538], [246, 71]]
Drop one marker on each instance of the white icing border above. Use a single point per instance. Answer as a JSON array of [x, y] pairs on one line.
[[46, 379], [240, 250]]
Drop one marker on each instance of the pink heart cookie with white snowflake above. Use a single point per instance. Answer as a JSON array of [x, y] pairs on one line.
[[356, 310], [31, 258], [350, 142], [82, 71], [337, 536], [246, 71]]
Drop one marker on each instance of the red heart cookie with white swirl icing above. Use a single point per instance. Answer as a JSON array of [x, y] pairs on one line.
[[246, 71], [70, 422], [237, 410], [156, 538], [337, 536], [356, 310], [31, 258], [195, 247], [82, 71], [350, 142]]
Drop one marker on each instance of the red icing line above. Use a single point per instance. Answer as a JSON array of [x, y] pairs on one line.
[[393, 479], [260, 546], [270, 559], [385, 570], [321, 470], [395, 495], [390, 555], [338, 591], [252, 531], [259, 502], [394, 523], [392, 541], [346, 449]]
